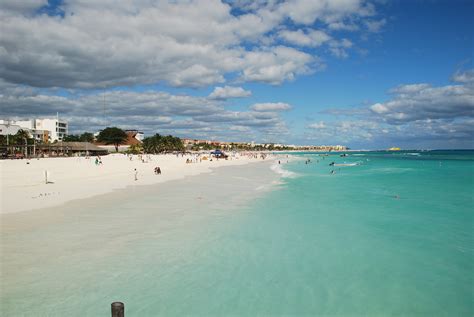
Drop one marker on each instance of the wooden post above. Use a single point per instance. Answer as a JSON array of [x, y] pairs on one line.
[[118, 309]]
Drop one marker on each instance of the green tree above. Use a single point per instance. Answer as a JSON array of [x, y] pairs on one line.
[[160, 144], [21, 138], [202, 146], [113, 136], [71, 138], [135, 149], [86, 137]]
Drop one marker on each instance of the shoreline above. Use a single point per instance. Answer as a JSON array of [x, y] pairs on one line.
[[122, 232], [75, 178]]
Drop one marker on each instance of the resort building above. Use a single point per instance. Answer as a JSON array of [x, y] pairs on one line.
[[135, 134], [44, 130], [57, 128]]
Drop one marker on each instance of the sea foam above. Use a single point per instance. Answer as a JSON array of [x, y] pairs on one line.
[[283, 172]]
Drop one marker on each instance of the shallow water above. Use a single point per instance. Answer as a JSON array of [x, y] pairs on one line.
[[392, 236]]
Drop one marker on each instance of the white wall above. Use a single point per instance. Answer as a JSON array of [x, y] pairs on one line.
[[57, 132]]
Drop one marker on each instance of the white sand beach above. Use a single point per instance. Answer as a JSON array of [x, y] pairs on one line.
[[24, 187], [55, 259]]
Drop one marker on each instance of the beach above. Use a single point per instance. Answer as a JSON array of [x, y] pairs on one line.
[[24, 187], [390, 235], [116, 236]]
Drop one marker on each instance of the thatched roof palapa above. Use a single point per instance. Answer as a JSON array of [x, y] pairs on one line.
[[72, 146]]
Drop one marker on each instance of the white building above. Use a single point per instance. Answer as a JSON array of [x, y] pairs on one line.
[[58, 129], [46, 130]]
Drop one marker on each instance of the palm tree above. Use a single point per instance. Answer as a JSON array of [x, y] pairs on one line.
[[23, 135], [159, 144]]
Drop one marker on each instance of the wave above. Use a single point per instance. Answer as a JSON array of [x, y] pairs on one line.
[[279, 170], [346, 164], [391, 170]]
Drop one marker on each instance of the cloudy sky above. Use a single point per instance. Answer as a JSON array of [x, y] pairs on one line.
[[364, 73]]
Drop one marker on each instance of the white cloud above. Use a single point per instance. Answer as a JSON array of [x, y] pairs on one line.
[[100, 44], [23, 6], [307, 12], [229, 92], [275, 65], [417, 115], [375, 26], [149, 111], [342, 26], [318, 125], [465, 77], [309, 38], [423, 101], [270, 106], [339, 47]]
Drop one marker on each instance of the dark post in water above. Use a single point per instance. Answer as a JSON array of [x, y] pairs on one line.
[[118, 309]]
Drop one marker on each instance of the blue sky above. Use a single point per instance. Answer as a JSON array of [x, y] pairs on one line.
[[366, 74]]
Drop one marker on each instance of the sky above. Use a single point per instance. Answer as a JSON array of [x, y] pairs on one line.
[[368, 74]]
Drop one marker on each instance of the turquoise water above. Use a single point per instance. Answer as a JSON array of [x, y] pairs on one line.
[[391, 236]]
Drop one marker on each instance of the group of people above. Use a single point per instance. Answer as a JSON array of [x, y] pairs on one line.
[[157, 171], [98, 160]]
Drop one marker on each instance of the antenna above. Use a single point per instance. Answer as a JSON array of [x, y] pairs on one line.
[[103, 106]]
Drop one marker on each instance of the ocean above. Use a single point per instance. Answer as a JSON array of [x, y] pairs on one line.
[[383, 234]]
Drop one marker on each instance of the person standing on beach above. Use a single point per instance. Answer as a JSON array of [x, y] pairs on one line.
[[136, 174]]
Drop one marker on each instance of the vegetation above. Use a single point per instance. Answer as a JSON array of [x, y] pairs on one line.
[[160, 144], [240, 147], [17, 143], [135, 149], [203, 146], [85, 137], [113, 136], [21, 138]]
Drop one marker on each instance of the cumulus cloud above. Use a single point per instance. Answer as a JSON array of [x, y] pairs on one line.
[[339, 48], [22, 7], [465, 77], [422, 133], [229, 92], [275, 65], [423, 101], [305, 38], [100, 44], [416, 115], [343, 26], [150, 111], [269, 106]]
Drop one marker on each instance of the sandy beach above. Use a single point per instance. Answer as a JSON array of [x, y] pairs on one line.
[[24, 187], [115, 236]]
